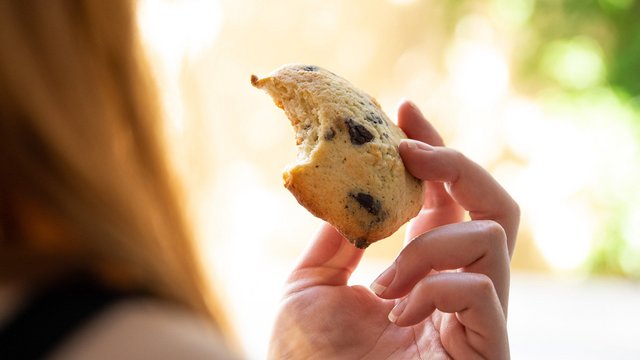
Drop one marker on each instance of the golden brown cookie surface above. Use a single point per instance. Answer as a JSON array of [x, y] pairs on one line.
[[348, 171]]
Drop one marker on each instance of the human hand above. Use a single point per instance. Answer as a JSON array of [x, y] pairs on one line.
[[451, 280]]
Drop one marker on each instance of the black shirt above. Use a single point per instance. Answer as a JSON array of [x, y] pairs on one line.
[[52, 315]]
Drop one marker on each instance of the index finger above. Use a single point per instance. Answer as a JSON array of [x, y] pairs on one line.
[[438, 208], [468, 183]]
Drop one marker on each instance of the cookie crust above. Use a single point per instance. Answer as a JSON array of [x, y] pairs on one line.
[[348, 171]]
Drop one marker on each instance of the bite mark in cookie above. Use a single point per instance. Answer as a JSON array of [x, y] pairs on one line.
[[348, 171], [330, 134]]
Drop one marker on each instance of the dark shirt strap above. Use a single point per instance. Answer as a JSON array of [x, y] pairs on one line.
[[51, 317]]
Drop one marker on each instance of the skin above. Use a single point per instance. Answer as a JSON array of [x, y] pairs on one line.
[[446, 294]]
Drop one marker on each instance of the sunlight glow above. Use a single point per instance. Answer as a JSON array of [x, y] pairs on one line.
[[179, 28], [523, 126], [173, 31], [402, 2], [478, 69], [564, 233], [479, 74]]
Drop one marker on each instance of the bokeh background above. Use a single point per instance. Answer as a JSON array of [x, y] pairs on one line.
[[544, 94]]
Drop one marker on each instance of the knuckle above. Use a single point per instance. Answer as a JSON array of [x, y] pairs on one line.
[[516, 210], [418, 246], [483, 285], [457, 163], [492, 235], [457, 156], [424, 286], [493, 231]]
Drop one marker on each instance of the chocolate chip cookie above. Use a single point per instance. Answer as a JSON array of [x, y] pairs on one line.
[[348, 171]]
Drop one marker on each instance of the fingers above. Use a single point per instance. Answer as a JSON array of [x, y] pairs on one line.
[[468, 184], [475, 303], [474, 246], [329, 260], [439, 208]]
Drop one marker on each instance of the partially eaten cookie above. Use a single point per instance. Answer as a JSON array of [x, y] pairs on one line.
[[348, 171]]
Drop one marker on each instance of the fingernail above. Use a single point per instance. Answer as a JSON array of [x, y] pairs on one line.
[[397, 310], [377, 288], [416, 145], [383, 281]]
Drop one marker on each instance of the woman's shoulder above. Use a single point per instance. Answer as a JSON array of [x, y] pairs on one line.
[[145, 329]]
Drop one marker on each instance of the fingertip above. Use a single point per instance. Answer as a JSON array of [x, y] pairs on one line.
[[409, 312], [383, 281], [327, 245], [408, 111], [326, 233], [415, 125], [406, 104], [397, 311], [377, 288]]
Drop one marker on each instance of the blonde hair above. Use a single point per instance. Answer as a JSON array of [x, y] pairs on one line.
[[81, 147]]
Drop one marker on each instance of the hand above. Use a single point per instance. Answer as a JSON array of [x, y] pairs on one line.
[[446, 294]]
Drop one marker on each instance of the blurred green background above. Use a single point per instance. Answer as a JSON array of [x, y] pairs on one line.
[[581, 60]]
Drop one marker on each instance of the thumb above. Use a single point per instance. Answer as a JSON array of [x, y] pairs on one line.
[[329, 260]]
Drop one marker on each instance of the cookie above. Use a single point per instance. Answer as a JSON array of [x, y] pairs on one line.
[[348, 171]]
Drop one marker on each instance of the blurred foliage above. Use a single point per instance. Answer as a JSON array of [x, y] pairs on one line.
[[579, 46], [587, 44], [581, 60], [611, 28]]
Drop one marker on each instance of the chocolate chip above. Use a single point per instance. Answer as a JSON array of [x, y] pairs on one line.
[[361, 243], [358, 133], [310, 68], [368, 202], [329, 135], [374, 118]]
